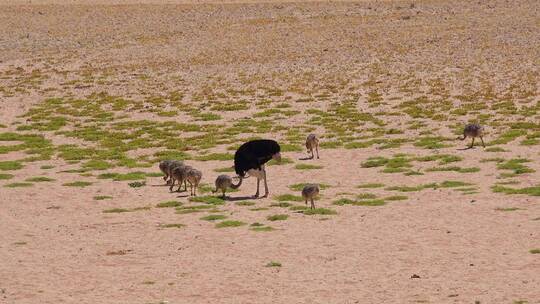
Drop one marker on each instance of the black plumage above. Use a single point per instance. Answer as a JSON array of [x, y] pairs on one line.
[[253, 154], [251, 157]]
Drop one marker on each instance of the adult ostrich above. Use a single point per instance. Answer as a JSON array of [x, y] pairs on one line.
[[251, 157]]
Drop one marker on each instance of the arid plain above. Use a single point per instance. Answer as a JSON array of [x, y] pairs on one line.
[[93, 94]]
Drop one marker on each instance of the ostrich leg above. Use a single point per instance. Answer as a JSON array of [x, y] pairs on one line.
[[258, 182], [265, 183]]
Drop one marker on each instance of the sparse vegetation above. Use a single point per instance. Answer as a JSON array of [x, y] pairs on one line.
[[169, 204], [227, 224], [277, 217], [78, 184]]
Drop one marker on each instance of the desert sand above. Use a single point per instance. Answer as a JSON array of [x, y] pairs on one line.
[[94, 93]]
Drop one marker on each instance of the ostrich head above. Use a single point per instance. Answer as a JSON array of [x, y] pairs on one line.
[[253, 154]]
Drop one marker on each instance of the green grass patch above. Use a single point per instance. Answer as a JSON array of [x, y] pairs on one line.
[[102, 197], [273, 264], [453, 184], [169, 204], [224, 170], [262, 229], [130, 176], [116, 210], [245, 203], [532, 191], [507, 209], [18, 185], [213, 217], [298, 208], [516, 166], [412, 188], [283, 161], [277, 217], [38, 179], [290, 148], [192, 209], [495, 149], [454, 168], [6, 176], [282, 204], [122, 210], [366, 196], [370, 185], [368, 202], [289, 198], [216, 156], [227, 224], [172, 226], [10, 165], [396, 198], [535, 251], [208, 199], [97, 165], [77, 184], [321, 211], [307, 167], [431, 142], [300, 186]]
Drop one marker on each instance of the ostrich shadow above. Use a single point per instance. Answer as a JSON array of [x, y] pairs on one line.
[[160, 185], [239, 198], [306, 158]]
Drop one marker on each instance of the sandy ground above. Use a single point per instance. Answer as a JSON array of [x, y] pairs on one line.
[[437, 246]]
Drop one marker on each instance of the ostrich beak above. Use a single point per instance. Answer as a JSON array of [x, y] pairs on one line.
[[277, 157]]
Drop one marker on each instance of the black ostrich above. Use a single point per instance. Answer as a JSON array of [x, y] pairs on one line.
[[251, 157]]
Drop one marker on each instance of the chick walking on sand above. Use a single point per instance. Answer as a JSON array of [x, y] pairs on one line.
[[179, 174], [165, 166], [473, 130], [223, 182], [309, 192], [193, 177], [312, 142]]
